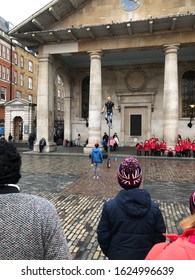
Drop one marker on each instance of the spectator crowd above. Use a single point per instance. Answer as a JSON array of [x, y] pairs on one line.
[[155, 147]]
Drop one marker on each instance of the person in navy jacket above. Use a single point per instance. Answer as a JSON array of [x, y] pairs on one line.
[[131, 223]]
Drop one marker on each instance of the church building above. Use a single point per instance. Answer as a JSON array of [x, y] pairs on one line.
[[141, 53]]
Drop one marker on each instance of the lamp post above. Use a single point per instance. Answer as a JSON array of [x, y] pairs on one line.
[[192, 106]]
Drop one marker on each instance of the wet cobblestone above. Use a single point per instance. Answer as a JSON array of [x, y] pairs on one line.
[[67, 181]]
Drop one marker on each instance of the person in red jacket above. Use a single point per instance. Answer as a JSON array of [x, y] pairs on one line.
[[153, 147], [182, 246], [163, 146], [193, 148], [146, 147], [177, 150], [139, 148]]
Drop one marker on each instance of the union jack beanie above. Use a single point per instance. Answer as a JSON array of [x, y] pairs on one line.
[[192, 203], [129, 173]]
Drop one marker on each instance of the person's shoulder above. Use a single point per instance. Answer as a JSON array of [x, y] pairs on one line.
[[36, 200]]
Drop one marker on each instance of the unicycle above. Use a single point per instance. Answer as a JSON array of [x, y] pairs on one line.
[[109, 159]]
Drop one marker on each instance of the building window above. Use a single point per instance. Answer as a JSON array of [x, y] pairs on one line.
[[3, 72], [188, 93], [85, 98], [7, 74], [59, 93], [15, 77], [15, 58], [3, 94], [18, 94], [59, 79], [135, 125], [30, 98], [30, 66], [22, 62], [3, 51], [30, 83], [8, 54], [21, 80]]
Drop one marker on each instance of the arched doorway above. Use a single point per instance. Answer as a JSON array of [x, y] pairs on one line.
[[18, 128]]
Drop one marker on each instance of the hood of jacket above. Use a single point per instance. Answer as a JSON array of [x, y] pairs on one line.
[[95, 150], [134, 202]]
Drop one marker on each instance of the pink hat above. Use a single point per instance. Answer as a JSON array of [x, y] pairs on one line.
[[192, 203], [129, 173]]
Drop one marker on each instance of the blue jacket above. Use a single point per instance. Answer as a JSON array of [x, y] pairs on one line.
[[96, 155], [130, 224]]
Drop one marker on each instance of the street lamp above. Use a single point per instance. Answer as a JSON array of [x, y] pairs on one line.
[[192, 106]]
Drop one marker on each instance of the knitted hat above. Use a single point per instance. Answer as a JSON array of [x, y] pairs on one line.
[[192, 203], [129, 173], [96, 145]]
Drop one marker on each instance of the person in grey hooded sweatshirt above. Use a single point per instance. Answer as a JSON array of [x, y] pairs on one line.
[[131, 223]]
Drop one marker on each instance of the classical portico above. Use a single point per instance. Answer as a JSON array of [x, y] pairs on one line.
[[137, 58]]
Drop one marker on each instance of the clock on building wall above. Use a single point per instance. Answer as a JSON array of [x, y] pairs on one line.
[[130, 5]]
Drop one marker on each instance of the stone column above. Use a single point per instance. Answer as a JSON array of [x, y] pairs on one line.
[[95, 101], [45, 104], [67, 119], [170, 102]]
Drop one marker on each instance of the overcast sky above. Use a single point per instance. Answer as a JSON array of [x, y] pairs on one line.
[[15, 11]]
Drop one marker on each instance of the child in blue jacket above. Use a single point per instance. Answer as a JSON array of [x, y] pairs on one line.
[[96, 159]]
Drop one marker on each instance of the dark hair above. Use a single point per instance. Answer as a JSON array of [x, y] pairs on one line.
[[10, 163]]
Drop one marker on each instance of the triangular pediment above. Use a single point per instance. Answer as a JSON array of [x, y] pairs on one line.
[[17, 103]]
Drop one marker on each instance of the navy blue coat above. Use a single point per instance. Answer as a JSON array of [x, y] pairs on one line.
[[130, 224]]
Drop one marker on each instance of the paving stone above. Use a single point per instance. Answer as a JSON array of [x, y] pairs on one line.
[[67, 181]]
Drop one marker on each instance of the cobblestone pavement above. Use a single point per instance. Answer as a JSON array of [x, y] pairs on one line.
[[67, 181]]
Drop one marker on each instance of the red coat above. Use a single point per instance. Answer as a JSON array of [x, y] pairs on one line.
[[178, 148], [146, 146], [163, 145], [193, 146], [182, 247]]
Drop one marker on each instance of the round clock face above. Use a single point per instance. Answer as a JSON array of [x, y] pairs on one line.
[[130, 5]]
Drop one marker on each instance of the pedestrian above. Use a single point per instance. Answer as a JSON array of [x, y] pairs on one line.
[[130, 223], [116, 141], [192, 203], [108, 109], [2, 138], [193, 148], [30, 227], [139, 148], [105, 139], [42, 144], [146, 147], [77, 140], [180, 247], [31, 140], [170, 152], [10, 138], [96, 159], [163, 145]]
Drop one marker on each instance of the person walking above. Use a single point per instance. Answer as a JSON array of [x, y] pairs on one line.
[[10, 138], [30, 227], [96, 159], [180, 247], [31, 140], [130, 223]]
